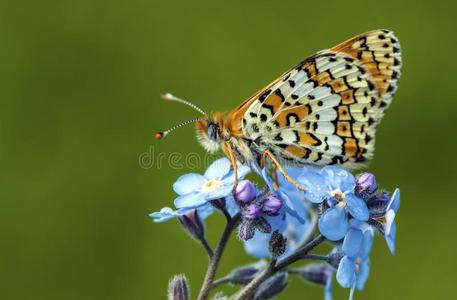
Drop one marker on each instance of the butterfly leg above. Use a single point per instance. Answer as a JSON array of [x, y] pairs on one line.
[[232, 159], [278, 166]]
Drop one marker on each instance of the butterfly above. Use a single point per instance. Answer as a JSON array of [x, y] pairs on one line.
[[323, 111]]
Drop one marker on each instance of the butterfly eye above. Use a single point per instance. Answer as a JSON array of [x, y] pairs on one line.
[[213, 132]]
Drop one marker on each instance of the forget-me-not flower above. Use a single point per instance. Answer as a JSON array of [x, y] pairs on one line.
[[336, 187], [354, 267]]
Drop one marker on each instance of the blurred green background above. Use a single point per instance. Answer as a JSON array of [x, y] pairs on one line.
[[80, 85]]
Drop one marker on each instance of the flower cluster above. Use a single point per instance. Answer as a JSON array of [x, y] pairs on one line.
[[284, 224]]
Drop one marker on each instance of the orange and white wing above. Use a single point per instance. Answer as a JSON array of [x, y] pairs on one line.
[[325, 110]]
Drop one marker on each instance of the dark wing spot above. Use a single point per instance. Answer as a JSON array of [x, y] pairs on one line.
[[278, 137], [291, 83], [263, 117], [270, 107], [381, 36], [253, 115], [320, 103], [290, 117], [264, 95]]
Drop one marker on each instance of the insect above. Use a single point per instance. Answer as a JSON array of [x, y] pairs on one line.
[[323, 111]]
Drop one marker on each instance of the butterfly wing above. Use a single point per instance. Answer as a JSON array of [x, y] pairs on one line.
[[325, 110]]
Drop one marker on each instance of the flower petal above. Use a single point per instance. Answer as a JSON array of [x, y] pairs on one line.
[[164, 214], [367, 244], [190, 200], [218, 169], [364, 272], [315, 186], [328, 293], [339, 179], [394, 202], [257, 246], [390, 238], [333, 224], [188, 183], [357, 207], [353, 243], [346, 272], [221, 192]]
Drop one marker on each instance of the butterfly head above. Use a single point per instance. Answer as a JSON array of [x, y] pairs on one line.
[[209, 132]]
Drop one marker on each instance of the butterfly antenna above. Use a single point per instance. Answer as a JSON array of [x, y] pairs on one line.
[[170, 97], [161, 134]]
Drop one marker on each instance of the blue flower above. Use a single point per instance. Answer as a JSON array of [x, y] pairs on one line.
[[354, 267], [195, 190], [336, 188], [389, 225]]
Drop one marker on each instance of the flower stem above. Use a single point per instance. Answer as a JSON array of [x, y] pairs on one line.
[[301, 253], [207, 247], [248, 291], [220, 281], [216, 257]]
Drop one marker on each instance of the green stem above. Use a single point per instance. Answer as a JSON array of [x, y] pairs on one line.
[[216, 257]]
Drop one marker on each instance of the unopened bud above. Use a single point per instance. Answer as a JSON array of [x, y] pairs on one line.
[[315, 273], [192, 224], [245, 191], [243, 275], [252, 211], [218, 203], [335, 258], [178, 288], [272, 205], [366, 185], [378, 205], [262, 225], [272, 286], [277, 245], [246, 230]]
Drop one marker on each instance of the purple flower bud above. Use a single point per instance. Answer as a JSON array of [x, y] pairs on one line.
[[277, 245], [272, 205], [245, 191], [366, 185], [178, 288], [252, 211], [315, 273], [192, 224], [272, 286]]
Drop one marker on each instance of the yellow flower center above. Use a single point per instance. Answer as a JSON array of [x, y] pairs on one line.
[[338, 195], [210, 185]]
